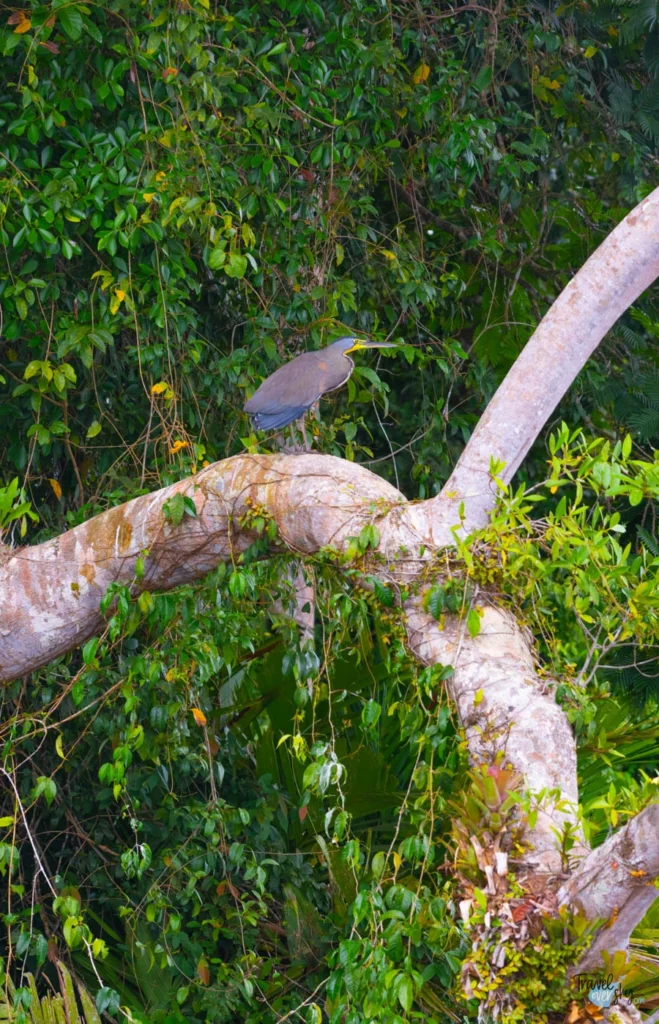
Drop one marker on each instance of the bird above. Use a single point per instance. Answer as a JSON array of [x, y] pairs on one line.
[[288, 393]]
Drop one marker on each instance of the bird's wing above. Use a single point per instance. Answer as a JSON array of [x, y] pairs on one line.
[[297, 385], [277, 420]]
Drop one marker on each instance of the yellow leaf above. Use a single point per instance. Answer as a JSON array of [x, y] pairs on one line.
[[148, 196], [478, 697], [56, 486], [388, 253], [398, 860], [121, 295], [105, 276], [176, 447], [58, 746], [421, 74], [207, 463], [158, 388], [161, 175], [613, 31], [24, 25], [589, 52], [31, 77], [199, 717]]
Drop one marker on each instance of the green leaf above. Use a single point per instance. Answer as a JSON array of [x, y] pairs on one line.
[[384, 594], [94, 429], [370, 714], [32, 369], [70, 19], [482, 79], [108, 1001], [405, 993], [473, 622], [46, 788], [236, 266], [89, 650], [216, 257], [279, 48], [435, 602], [369, 536], [378, 864], [177, 506]]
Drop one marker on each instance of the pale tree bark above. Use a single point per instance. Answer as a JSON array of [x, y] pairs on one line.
[[50, 593], [615, 882], [614, 276]]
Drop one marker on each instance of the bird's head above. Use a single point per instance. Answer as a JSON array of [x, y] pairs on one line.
[[349, 344]]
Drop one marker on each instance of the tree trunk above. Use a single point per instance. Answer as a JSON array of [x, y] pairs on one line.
[[50, 593]]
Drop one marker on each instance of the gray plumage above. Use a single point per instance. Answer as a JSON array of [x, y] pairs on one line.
[[295, 387]]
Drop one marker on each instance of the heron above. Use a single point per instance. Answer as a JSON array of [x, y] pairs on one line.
[[288, 393]]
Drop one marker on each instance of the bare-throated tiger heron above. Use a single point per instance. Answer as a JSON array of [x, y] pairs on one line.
[[288, 393]]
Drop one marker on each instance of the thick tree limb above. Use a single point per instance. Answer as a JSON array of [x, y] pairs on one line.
[[615, 883], [515, 720], [625, 264], [50, 594]]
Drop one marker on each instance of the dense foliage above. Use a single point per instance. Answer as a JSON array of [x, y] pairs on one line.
[[209, 818]]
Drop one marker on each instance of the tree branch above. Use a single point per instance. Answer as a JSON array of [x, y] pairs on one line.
[[625, 264], [510, 718], [50, 593], [615, 883]]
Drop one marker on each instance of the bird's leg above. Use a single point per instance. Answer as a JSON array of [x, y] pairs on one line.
[[298, 449], [307, 446]]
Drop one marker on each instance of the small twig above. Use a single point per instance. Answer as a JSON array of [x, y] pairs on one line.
[[37, 858], [67, 445]]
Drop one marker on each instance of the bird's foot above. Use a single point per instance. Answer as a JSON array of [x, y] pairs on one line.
[[296, 449]]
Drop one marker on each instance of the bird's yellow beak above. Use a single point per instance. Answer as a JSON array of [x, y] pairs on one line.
[[357, 344]]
